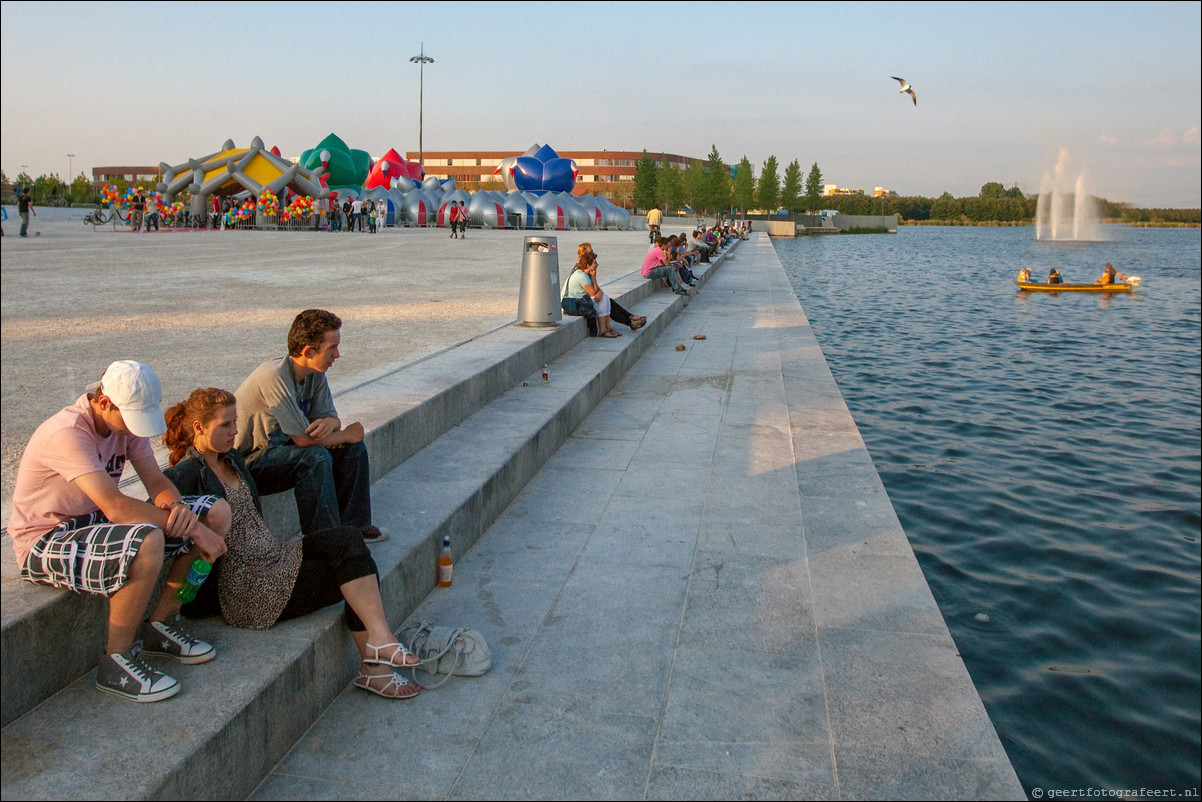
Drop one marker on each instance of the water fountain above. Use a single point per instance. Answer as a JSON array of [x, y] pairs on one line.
[[1052, 220]]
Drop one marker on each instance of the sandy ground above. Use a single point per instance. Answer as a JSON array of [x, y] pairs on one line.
[[205, 308]]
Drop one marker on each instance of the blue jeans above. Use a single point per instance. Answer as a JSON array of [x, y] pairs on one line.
[[333, 485], [669, 272], [24, 223]]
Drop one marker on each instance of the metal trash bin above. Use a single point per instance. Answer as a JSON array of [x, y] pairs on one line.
[[538, 296]]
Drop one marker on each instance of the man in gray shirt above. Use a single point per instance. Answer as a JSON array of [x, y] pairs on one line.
[[291, 436]]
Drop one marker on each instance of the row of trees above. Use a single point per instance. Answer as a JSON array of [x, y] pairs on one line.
[[707, 186], [770, 193], [46, 188], [994, 204]]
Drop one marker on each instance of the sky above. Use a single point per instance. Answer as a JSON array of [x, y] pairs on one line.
[[1003, 88]]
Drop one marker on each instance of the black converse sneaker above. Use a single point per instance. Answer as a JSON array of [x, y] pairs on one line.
[[169, 639], [127, 675]]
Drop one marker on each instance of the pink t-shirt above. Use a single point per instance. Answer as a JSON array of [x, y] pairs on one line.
[[62, 449], [652, 260]]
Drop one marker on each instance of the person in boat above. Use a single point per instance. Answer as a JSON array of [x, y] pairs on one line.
[[1054, 277], [1110, 276], [1024, 275]]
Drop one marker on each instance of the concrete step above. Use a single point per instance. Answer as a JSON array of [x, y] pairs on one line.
[[50, 638], [443, 468]]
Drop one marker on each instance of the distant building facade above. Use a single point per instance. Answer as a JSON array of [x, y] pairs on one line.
[[147, 176], [608, 173], [832, 190]]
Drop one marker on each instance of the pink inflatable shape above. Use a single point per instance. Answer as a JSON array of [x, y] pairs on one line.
[[391, 165]]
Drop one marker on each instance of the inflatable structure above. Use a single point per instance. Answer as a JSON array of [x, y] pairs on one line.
[[342, 167], [231, 171], [390, 167], [539, 184], [539, 170]]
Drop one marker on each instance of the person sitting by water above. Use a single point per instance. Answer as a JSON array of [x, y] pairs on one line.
[[1110, 276], [1054, 277], [1024, 275], [656, 267], [263, 579], [616, 310], [582, 283]]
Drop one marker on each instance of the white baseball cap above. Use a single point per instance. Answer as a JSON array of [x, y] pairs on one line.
[[135, 390]]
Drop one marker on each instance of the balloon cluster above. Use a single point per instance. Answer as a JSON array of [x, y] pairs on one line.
[[269, 203], [241, 213], [110, 196], [300, 208], [172, 212]]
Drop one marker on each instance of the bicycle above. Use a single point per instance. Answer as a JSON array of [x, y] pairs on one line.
[[97, 217]]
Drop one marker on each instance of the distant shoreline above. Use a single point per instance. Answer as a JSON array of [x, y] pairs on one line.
[[1021, 223]]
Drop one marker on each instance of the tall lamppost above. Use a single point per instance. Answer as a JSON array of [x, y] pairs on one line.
[[70, 166], [421, 60]]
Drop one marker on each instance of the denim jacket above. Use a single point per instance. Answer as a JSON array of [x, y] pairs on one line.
[[193, 476]]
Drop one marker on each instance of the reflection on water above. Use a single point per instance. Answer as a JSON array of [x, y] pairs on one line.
[[1043, 455]]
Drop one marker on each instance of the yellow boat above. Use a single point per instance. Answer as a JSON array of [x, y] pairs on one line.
[[1033, 286]]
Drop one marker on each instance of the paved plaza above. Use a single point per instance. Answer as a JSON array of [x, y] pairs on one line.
[[205, 308]]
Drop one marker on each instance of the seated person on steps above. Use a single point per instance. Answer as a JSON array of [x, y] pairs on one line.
[[655, 266], [265, 579], [291, 436], [73, 528]]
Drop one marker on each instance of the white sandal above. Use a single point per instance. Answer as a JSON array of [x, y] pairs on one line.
[[408, 659], [397, 686]]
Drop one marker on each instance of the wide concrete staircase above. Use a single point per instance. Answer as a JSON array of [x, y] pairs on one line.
[[452, 438]]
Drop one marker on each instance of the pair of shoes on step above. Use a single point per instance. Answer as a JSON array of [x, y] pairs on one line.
[[128, 675], [388, 684]]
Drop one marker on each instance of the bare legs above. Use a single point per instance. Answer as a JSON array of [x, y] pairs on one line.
[[127, 605], [363, 596]]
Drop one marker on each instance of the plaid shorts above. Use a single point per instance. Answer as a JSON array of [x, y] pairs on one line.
[[90, 554]]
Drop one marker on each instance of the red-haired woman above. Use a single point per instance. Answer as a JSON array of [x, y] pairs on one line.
[[263, 579]]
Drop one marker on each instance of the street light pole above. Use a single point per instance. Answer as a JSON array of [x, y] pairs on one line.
[[70, 166], [421, 60]]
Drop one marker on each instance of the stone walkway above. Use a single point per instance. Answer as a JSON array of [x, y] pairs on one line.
[[704, 594]]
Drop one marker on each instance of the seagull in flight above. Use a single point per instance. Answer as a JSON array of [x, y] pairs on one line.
[[906, 88]]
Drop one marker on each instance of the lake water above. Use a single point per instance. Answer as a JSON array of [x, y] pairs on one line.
[[1043, 456]]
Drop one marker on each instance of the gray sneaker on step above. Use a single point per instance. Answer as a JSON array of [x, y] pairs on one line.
[[127, 675], [169, 639]]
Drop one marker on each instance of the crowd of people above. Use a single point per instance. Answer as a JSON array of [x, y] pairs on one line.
[[670, 261], [72, 527]]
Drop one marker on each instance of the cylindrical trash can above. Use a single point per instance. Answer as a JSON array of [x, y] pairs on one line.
[[538, 297]]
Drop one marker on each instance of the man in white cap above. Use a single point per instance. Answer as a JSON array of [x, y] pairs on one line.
[[73, 528]]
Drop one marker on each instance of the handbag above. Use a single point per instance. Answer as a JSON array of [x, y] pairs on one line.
[[579, 307], [454, 651]]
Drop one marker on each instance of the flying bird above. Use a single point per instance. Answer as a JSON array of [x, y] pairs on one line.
[[906, 88]]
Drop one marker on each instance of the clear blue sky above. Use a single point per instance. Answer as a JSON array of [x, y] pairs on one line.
[[1002, 87]]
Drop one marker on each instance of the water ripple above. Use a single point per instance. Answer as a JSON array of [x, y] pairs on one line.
[[1043, 454]]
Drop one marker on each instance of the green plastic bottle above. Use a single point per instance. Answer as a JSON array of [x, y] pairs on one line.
[[197, 575]]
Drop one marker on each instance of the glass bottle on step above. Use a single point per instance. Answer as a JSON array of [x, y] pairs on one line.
[[446, 564]]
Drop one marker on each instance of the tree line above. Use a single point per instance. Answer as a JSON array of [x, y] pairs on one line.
[[49, 188], [708, 187]]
